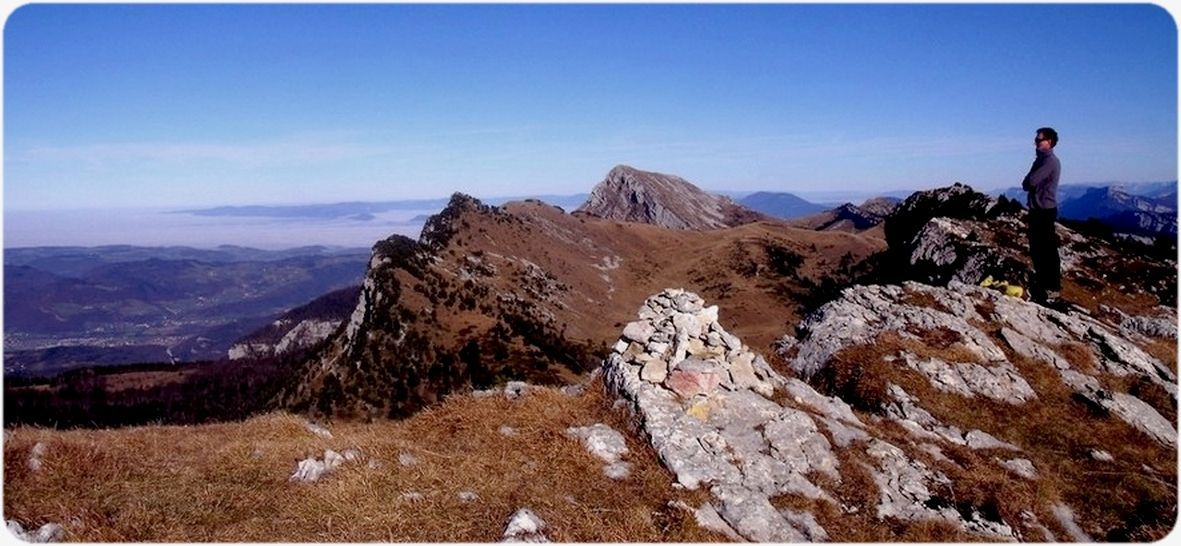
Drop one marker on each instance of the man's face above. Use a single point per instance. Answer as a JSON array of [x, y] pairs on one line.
[[1042, 143]]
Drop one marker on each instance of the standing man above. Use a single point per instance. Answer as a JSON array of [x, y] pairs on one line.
[[1042, 185]]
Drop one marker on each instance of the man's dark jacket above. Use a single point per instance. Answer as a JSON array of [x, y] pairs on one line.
[[1042, 181]]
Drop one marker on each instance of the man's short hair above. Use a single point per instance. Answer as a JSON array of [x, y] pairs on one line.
[[1051, 134]]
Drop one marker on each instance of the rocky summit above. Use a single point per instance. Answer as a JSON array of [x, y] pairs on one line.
[[632, 195]]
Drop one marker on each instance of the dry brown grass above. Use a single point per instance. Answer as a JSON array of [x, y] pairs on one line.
[[922, 299], [1090, 298], [1164, 350], [1078, 355], [229, 482]]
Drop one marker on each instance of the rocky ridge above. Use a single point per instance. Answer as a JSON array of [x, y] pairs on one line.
[[525, 291]]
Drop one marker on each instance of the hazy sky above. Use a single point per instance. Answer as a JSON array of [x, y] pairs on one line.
[[207, 105]]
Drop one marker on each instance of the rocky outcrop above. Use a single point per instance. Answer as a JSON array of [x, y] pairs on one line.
[[632, 195], [298, 329], [863, 313], [721, 418], [957, 234], [850, 217], [881, 207]]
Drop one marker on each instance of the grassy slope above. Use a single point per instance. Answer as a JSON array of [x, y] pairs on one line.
[[229, 482]]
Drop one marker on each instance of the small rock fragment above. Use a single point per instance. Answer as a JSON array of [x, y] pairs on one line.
[[1021, 467], [309, 470], [618, 470], [515, 389], [525, 526], [35, 456], [319, 431], [332, 459]]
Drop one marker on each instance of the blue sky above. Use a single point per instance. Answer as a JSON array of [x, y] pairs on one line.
[[181, 105]]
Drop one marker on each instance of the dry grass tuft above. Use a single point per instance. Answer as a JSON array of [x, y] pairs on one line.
[[229, 482], [1078, 355], [923, 299], [1164, 351]]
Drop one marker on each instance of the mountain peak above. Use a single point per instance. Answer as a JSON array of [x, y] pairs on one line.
[[622, 170], [632, 195]]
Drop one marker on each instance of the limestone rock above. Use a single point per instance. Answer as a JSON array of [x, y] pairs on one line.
[[639, 331], [707, 517], [1021, 467], [50, 532], [318, 430], [516, 389], [36, 454], [1065, 517], [309, 470], [601, 441], [525, 526], [654, 371], [407, 459], [688, 383]]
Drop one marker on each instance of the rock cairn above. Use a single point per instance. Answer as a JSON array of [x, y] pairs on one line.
[[679, 344], [703, 399]]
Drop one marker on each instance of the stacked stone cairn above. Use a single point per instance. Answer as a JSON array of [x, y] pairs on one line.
[[678, 343], [704, 402]]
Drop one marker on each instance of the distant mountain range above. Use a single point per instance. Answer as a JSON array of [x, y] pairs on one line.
[[1148, 208], [782, 205]]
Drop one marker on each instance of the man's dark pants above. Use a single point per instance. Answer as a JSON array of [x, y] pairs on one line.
[[1043, 250]]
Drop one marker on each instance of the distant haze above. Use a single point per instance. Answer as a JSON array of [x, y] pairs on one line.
[[161, 227]]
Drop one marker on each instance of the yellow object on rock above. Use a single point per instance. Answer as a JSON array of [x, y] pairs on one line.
[[1010, 290]]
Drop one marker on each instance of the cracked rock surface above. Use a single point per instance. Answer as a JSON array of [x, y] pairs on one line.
[[748, 435]]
